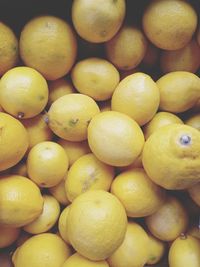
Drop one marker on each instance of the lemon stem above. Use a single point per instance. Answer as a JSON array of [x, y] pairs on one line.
[[183, 236]]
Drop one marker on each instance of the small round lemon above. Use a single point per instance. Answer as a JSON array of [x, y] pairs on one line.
[[157, 248], [8, 235], [59, 192], [62, 224]]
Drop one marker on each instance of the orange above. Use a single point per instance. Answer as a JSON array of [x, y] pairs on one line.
[[48, 44]]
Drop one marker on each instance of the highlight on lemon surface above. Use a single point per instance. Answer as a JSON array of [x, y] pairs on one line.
[[8, 235]]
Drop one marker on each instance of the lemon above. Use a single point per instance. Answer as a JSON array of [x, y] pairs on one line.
[[95, 77], [194, 121], [20, 201], [23, 92], [127, 48], [179, 91], [78, 260], [159, 120], [118, 145], [157, 249], [47, 164], [99, 21], [70, 115], [48, 44], [133, 252], [184, 252], [137, 96], [169, 24], [194, 193], [8, 235], [139, 195], [48, 217], [42, 250], [11, 151], [171, 156], [96, 224], [20, 169], [169, 221], [58, 191], [88, 173], [62, 224]]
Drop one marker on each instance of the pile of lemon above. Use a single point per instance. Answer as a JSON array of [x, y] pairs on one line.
[[99, 159]]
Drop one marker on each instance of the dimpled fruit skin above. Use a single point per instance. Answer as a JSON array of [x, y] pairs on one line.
[[97, 224]]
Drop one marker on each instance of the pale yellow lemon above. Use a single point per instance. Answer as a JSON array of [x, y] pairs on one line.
[[95, 77], [62, 224], [96, 225], [115, 138], [194, 121], [23, 92], [137, 96], [157, 248], [70, 115], [88, 173], [127, 48], [194, 193], [48, 44], [8, 235], [59, 192], [98, 22], [20, 201], [171, 156], [47, 164], [42, 250], [14, 141]]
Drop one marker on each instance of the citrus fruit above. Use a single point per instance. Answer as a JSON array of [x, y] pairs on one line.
[[41, 50], [70, 115], [8, 48], [179, 91], [47, 164], [20, 201], [156, 250], [137, 96], [169, 221], [8, 235], [115, 138], [88, 173], [95, 77], [99, 21], [11, 151], [194, 121], [48, 217], [127, 48], [42, 250], [96, 224], [194, 193], [139, 195], [62, 224], [23, 92], [19, 169], [171, 156], [169, 24], [133, 252], [184, 252], [58, 191]]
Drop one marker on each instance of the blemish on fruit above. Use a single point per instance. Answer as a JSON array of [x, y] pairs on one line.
[[73, 122], [20, 115]]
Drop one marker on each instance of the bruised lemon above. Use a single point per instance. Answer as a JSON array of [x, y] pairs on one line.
[[59, 192]]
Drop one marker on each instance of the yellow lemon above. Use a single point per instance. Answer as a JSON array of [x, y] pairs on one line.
[[169, 221], [8, 48], [171, 156], [159, 120], [133, 252], [115, 138], [127, 48], [37, 129], [58, 88], [139, 195], [70, 115], [20, 201], [179, 91], [8, 235], [184, 59], [48, 217], [48, 44], [96, 224], [23, 92], [14, 141], [169, 24], [156, 248], [42, 250], [88, 173], [137, 96], [194, 193], [62, 224], [194, 121], [95, 77], [80, 261], [47, 164], [58, 191], [99, 21], [74, 150], [184, 252]]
